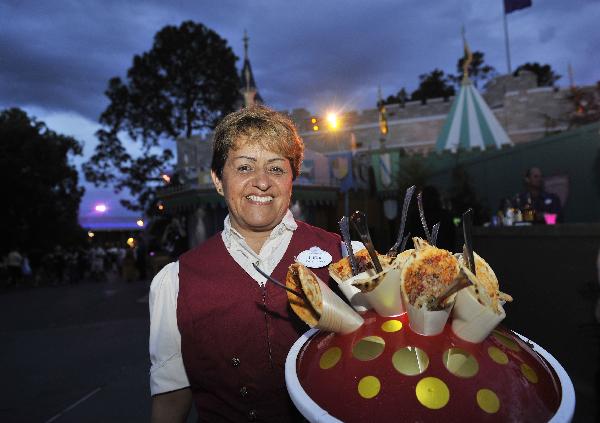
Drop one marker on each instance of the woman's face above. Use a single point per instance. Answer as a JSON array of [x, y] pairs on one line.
[[257, 186]]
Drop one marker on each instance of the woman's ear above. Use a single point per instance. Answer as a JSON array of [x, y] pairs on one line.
[[217, 182]]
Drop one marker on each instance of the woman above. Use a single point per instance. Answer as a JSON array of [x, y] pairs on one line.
[[218, 334]]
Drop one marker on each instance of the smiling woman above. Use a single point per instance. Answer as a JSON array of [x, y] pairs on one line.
[[257, 155], [218, 334]]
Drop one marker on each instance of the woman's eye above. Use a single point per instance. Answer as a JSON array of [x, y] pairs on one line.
[[277, 170], [244, 168]]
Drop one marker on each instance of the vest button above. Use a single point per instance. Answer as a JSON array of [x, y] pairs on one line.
[[252, 415], [244, 392], [235, 362]]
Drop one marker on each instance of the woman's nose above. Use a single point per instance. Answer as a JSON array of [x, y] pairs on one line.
[[262, 180]]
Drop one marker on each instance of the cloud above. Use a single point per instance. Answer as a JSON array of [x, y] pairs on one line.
[[57, 57]]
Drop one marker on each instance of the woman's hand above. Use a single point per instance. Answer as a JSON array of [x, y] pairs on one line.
[[171, 406]]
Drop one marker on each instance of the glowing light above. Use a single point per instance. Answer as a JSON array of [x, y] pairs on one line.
[[161, 206], [100, 208], [130, 242], [140, 223], [313, 120], [166, 178], [316, 128], [91, 234], [332, 120]]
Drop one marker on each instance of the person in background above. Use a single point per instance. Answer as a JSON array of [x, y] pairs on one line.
[[219, 334], [14, 263], [534, 202]]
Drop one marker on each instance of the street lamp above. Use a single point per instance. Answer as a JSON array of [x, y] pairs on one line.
[[332, 120], [101, 208], [140, 223]]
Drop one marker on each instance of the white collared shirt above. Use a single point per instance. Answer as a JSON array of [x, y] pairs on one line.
[[167, 372]]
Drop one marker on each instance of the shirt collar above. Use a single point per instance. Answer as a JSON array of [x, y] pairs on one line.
[[287, 223]]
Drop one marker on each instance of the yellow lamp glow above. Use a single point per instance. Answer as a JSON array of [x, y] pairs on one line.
[[130, 242], [91, 234], [140, 223], [332, 120]]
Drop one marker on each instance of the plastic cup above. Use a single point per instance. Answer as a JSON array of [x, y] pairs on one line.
[[357, 299], [471, 320], [336, 315], [386, 298]]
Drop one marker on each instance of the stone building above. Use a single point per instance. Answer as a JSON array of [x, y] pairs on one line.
[[526, 111]]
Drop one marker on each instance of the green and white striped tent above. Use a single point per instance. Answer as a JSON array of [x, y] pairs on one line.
[[471, 123]]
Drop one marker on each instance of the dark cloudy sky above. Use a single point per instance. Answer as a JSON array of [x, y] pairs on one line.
[[57, 56]]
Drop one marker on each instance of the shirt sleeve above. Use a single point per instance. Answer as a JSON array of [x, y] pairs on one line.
[[167, 372]]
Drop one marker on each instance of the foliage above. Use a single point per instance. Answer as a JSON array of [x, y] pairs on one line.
[[413, 172], [545, 74], [184, 84], [40, 185], [401, 97], [462, 196], [479, 72], [433, 85]]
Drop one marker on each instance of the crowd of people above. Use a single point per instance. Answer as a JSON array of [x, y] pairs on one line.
[[96, 263]]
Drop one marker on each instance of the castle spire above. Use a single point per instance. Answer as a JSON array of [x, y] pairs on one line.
[[248, 88]]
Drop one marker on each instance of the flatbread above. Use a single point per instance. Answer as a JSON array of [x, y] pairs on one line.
[[485, 284], [303, 309], [311, 288], [341, 270], [427, 272]]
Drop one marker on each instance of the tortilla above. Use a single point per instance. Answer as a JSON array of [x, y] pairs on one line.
[[341, 270], [427, 273], [485, 284], [303, 309]]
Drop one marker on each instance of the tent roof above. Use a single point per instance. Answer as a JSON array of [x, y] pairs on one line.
[[471, 123]]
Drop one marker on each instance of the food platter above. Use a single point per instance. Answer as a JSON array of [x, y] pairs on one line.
[[384, 371]]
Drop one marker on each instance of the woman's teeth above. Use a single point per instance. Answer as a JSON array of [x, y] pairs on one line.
[[260, 199]]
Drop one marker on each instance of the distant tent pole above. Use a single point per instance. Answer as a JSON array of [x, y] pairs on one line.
[[506, 43]]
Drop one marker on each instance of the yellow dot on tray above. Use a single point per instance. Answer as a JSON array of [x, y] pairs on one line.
[[330, 358], [529, 373], [498, 355], [368, 387], [506, 341], [392, 326], [432, 393], [488, 401]]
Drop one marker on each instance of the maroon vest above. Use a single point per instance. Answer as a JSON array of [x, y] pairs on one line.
[[235, 335]]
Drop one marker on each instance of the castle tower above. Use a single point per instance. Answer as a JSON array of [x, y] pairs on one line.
[[248, 88]]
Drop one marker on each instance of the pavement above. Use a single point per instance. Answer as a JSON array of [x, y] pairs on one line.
[[75, 353]]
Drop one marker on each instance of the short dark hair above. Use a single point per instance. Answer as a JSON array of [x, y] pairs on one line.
[[528, 171], [257, 125]]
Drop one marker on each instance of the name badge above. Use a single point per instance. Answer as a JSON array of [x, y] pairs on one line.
[[314, 258]]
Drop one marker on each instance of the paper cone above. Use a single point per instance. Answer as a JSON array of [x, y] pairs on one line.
[[471, 320], [426, 322], [386, 298], [336, 315], [357, 299]]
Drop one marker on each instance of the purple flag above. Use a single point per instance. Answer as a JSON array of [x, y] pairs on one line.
[[512, 5]]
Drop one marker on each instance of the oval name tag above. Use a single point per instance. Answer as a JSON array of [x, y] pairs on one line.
[[314, 258]]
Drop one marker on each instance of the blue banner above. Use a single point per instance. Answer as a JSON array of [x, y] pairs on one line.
[[340, 170]]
